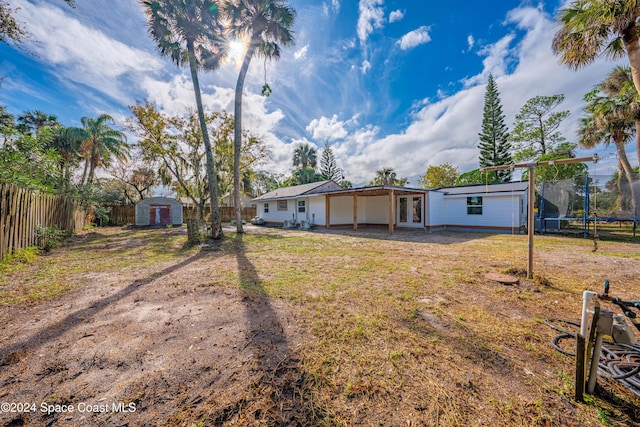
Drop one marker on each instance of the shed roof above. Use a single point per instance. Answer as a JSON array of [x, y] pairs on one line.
[[501, 187]]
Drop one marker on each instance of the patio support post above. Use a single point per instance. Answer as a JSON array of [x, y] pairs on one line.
[[391, 211], [327, 212]]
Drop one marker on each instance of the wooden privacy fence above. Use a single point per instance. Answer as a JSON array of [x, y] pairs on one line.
[[122, 215], [21, 210]]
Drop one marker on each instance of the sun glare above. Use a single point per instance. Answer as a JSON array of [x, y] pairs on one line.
[[236, 51]]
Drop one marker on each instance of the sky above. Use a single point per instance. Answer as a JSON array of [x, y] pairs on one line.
[[387, 83]]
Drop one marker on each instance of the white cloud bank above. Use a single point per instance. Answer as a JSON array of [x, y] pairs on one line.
[[445, 131]]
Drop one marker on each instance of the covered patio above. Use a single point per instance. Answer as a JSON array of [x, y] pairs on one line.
[[380, 205]]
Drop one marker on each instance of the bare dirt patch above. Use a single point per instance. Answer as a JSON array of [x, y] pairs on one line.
[[282, 327]]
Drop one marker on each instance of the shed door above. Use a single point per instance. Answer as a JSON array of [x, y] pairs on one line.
[[159, 214]]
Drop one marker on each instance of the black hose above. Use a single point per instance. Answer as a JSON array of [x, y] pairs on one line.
[[618, 361]]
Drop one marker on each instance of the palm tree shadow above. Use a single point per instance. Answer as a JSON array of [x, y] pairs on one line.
[[10, 353], [277, 365]]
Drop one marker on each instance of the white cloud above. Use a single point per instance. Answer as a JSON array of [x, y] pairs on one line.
[[301, 53], [333, 6], [396, 16], [365, 67], [84, 54], [371, 17], [497, 57], [414, 38], [470, 41], [446, 130], [327, 128]]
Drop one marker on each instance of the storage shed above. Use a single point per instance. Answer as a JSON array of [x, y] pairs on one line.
[[158, 211]]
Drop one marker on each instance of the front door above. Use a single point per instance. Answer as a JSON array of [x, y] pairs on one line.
[[410, 212]]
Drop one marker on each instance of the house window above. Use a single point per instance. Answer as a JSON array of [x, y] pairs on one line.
[[302, 208], [474, 205], [282, 205], [266, 208]]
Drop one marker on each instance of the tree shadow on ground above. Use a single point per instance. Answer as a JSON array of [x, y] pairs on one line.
[[277, 394], [12, 353]]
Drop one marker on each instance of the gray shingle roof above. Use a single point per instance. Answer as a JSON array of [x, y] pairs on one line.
[[291, 192]]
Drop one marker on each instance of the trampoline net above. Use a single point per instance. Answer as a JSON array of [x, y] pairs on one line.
[[604, 198]]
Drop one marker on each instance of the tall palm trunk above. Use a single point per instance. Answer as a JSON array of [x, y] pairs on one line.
[[638, 139], [632, 45], [237, 132], [628, 172], [216, 226]]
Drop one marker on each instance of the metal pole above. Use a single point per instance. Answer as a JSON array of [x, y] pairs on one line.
[[530, 220], [585, 214]]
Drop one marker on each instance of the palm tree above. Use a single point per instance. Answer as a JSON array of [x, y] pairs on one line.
[[265, 24], [620, 84], [591, 28], [32, 122], [190, 32], [98, 142], [305, 156], [68, 147], [608, 121], [387, 176]]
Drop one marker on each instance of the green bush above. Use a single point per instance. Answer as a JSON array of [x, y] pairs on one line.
[[49, 237]]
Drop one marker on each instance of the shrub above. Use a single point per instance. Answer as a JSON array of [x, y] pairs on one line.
[[49, 237]]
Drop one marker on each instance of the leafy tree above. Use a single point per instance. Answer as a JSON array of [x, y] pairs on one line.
[[535, 130], [387, 176], [494, 138], [608, 121], [99, 142], [266, 24], [189, 32], [136, 176], [438, 176], [304, 176], [26, 162], [262, 182], [305, 156], [329, 169], [476, 176], [10, 30], [177, 143], [558, 172], [252, 152]]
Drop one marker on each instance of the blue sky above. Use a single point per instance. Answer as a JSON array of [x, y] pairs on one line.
[[388, 83]]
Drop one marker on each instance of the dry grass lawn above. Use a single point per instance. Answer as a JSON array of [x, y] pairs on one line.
[[281, 327]]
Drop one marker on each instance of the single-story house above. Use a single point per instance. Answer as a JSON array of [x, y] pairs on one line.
[[158, 211], [493, 207]]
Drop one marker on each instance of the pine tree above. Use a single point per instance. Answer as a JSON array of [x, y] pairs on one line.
[[494, 138], [328, 166]]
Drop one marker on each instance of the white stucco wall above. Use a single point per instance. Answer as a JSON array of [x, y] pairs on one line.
[[376, 209], [497, 211], [316, 210], [274, 215], [436, 216]]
